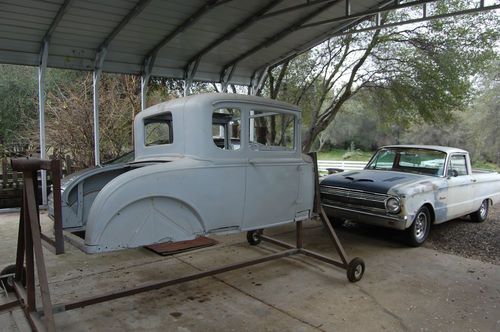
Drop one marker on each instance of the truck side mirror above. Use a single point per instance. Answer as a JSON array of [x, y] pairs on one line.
[[452, 173]]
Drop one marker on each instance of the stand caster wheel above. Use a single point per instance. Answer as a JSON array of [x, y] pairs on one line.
[[253, 237], [8, 282], [355, 269]]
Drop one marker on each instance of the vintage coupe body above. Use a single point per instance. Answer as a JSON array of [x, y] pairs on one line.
[[409, 187], [209, 163]]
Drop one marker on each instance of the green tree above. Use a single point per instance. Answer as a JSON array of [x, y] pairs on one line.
[[69, 119], [420, 71], [18, 102]]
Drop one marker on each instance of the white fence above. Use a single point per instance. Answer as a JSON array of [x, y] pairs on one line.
[[346, 165]]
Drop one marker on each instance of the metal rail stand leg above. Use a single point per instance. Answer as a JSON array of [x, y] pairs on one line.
[[29, 247], [356, 267], [34, 226]]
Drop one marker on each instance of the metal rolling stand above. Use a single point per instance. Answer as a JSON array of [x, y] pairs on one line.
[[29, 242]]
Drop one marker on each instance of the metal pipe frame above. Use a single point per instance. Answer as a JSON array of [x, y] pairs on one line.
[[339, 31], [101, 53], [96, 77], [42, 68], [396, 5], [150, 58], [355, 18], [258, 79], [240, 27], [280, 35], [425, 17]]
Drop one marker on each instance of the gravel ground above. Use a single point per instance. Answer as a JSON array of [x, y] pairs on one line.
[[468, 239], [460, 237]]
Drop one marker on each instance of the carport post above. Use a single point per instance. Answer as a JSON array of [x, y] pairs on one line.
[[189, 76], [41, 112], [146, 74], [258, 79], [96, 77]]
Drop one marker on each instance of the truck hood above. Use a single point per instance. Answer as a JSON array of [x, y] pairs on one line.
[[371, 180]]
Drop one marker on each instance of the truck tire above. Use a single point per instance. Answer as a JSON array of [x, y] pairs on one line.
[[336, 221], [481, 214], [418, 232]]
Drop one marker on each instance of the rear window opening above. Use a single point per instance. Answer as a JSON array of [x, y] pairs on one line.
[[158, 130]]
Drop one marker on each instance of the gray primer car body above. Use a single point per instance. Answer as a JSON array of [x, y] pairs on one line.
[[191, 187], [361, 196]]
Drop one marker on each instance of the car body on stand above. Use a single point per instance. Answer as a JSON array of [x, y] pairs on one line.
[[203, 164]]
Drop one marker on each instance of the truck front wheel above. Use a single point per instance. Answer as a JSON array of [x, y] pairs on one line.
[[418, 232], [481, 214]]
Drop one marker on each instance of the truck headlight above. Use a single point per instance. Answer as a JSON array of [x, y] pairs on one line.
[[393, 205]]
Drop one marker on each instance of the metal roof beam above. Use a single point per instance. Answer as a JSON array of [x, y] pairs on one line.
[[138, 8], [340, 31], [280, 35], [388, 7], [150, 58], [60, 13], [151, 55], [247, 22], [304, 47], [425, 15], [296, 7]]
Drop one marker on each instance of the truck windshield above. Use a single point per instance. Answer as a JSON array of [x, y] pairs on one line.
[[411, 160]]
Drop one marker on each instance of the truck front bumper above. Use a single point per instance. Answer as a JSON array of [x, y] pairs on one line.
[[368, 216]]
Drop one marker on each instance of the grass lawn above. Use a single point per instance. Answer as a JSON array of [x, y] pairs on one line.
[[341, 154], [486, 165]]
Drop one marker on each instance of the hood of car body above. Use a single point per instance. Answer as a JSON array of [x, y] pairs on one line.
[[370, 180]]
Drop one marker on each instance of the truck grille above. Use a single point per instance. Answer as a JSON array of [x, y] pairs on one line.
[[336, 195]]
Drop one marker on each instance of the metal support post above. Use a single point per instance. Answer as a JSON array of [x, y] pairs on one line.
[[225, 77], [41, 112], [146, 74], [96, 77], [258, 79], [189, 76]]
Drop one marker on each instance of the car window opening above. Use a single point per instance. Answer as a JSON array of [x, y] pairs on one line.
[[226, 128], [158, 130], [272, 131]]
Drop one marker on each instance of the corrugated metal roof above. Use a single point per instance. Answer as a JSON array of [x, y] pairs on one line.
[[247, 34]]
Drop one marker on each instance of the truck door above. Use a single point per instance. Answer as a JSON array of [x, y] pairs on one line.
[[460, 188]]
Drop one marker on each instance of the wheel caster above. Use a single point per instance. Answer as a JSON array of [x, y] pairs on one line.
[[8, 282], [355, 269], [253, 237]]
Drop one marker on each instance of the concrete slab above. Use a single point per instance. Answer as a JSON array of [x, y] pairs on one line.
[[415, 289]]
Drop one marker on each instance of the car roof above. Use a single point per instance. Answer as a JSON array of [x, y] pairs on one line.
[[445, 149]]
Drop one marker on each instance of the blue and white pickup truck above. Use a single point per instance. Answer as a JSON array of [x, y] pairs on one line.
[[409, 188]]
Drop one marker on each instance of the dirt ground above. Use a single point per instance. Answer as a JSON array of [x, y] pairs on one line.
[[468, 239], [460, 237]]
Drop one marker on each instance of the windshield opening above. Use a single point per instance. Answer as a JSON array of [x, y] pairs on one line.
[[411, 160]]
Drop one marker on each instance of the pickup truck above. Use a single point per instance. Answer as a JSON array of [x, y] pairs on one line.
[[209, 163], [410, 188]]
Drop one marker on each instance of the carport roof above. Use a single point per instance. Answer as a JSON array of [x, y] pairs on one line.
[[224, 40]]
